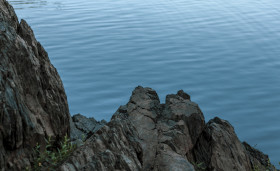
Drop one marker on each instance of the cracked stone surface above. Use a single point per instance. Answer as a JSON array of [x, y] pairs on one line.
[[147, 135], [142, 135], [82, 128], [33, 104]]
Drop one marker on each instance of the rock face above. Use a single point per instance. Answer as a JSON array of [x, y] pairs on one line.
[[147, 135], [219, 148], [33, 104], [142, 135]]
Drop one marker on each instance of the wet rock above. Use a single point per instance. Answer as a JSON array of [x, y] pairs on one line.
[[33, 104]]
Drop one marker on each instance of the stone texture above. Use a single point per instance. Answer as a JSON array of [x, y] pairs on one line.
[[33, 104], [142, 135], [218, 148], [147, 135], [258, 160], [81, 127]]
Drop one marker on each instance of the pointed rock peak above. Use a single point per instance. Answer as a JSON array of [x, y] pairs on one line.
[[26, 32], [181, 96], [222, 122], [184, 95], [141, 93]]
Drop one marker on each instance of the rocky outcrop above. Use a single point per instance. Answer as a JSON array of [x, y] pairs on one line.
[[147, 135], [219, 148], [142, 135], [33, 104]]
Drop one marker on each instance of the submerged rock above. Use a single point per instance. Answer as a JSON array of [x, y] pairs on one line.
[[33, 104]]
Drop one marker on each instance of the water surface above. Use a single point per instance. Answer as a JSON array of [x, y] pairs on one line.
[[224, 54]]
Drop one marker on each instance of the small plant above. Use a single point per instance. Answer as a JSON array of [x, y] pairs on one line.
[[51, 157], [256, 168], [84, 138], [268, 167], [199, 166]]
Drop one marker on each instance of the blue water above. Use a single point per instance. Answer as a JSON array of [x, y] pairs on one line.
[[225, 54]]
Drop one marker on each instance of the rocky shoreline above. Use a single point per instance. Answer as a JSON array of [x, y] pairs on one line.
[[144, 134], [147, 135]]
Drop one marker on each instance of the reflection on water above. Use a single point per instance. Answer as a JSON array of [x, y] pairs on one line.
[[225, 55], [25, 4]]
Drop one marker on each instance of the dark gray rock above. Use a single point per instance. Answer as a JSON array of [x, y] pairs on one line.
[[147, 135], [258, 160], [33, 104], [142, 135], [139, 137], [219, 148], [82, 127]]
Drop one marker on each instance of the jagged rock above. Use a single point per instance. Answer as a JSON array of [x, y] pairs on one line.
[[219, 148], [147, 135], [142, 135], [258, 160], [81, 127], [33, 104]]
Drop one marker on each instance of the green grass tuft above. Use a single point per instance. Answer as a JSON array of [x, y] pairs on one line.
[[52, 156]]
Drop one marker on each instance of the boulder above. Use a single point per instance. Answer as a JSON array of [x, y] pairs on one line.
[[219, 148]]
